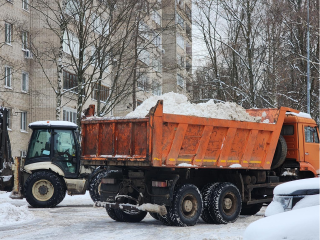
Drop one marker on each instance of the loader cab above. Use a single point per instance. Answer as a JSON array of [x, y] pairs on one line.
[[55, 142]]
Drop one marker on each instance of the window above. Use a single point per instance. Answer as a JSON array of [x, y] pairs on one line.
[[8, 33], [70, 81], [311, 134], [40, 143], [25, 82], [25, 4], [156, 63], [180, 41], [104, 92], [188, 12], [9, 118], [70, 115], [23, 121], [72, 8], [189, 49], [24, 39], [144, 30], [156, 39], [156, 17], [179, 20], [144, 56], [142, 82], [70, 44], [156, 88], [188, 66], [180, 60], [287, 130], [180, 80], [97, 23], [188, 30], [7, 76]]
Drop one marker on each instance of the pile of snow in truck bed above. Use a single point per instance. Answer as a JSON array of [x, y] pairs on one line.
[[175, 103]]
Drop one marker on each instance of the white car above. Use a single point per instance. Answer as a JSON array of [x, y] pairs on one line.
[[294, 195]]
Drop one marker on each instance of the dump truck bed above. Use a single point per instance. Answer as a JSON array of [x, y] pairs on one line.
[[169, 140]]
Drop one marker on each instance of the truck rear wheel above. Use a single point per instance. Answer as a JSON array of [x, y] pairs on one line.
[[225, 203], [44, 189], [205, 192], [112, 214], [166, 218], [280, 153], [250, 209], [129, 216], [187, 206]]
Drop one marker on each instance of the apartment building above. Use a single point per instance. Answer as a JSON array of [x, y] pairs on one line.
[[29, 87]]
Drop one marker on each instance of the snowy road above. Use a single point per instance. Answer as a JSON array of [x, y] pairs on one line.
[[75, 218]]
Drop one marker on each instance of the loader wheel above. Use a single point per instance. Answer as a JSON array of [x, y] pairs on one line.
[[154, 215], [205, 192], [250, 209], [280, 153], [225, 203], [129, 216], [94, 185], [44, 189], [187, 206]]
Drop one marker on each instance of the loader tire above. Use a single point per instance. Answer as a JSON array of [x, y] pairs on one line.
[[112, 214], [44, 189], [250, 209], [225, 203], [154, 215], [129, 216], [94, 184], [187, 206], [280, 153], [205, 192]]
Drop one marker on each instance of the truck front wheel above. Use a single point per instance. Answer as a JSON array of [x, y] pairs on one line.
[[44, 189], [123, 216], [225, 203]]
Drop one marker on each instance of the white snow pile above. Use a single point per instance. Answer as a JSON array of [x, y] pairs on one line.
[[292, 225], [175, 103], [10, 214]]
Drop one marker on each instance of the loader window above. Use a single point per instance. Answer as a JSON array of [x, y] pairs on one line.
[[311, 135], [40, 144], [65, 150]]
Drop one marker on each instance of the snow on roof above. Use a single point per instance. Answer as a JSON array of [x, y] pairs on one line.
[[53, 124], [175, 103], [300, 114], [289, 187], [295, 225]]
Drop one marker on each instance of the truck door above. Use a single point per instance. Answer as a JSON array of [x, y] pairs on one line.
[[65, 152], [311, 146]]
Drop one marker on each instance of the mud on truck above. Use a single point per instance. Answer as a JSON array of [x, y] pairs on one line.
[[180, 168]]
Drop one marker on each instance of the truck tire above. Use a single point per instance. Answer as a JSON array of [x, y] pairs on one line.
[[280, 153], [129, 217], [44, 189], [205, 192], [94, 184], [187, 206], [154, 215], [112, 214], [250, 209], [225, 203]]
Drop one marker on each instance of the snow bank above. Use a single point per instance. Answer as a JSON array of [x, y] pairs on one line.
[[10, 214], [293, 225], [175, 103], [289, 187]]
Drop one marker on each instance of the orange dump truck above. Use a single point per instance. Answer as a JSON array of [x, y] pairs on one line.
[[180, 168]]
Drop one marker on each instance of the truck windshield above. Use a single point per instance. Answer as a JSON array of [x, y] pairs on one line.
[[40, 143]]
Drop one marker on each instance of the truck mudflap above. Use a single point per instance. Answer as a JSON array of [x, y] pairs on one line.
[[148, 207]]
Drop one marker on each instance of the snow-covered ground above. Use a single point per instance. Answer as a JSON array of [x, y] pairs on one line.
[[76, 218]]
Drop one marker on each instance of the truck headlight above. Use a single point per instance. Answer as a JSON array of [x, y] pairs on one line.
[[285, 201]]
